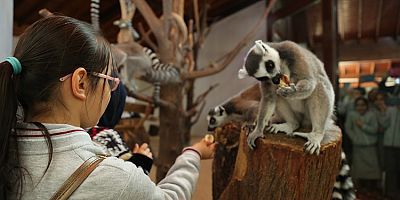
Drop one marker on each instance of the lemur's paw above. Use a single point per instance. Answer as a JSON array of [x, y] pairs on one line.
[[252, 137], [287, 91], [248, 128], [284, 127], [313, 145]]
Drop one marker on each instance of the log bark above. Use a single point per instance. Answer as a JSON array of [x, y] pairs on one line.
[[279, 169], [225, 157]]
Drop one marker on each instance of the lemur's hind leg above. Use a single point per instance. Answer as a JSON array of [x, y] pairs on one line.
[[291, 122], [320, 108]]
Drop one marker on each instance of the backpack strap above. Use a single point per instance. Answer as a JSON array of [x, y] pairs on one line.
[[77, 178]]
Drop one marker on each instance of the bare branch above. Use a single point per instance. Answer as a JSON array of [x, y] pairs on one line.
[[201, 97], [45, 13], [214, 68], [167, 15], [179, 7], [197, 117], [180, 23], [196, 17], [150, 17], [148, 99], [189, 53], [146, 38]]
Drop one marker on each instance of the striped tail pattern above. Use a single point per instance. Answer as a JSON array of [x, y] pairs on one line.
[[344, 187], [159, 72], [94, 13]]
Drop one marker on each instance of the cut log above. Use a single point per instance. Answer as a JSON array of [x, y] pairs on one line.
[[225, 157], [279, 169]]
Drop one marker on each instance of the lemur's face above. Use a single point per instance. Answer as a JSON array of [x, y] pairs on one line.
[[262, 62], [215, 117]]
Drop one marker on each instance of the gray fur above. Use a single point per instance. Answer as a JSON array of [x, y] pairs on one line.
[[308, 101]]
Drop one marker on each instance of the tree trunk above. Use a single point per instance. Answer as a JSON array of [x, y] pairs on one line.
[[172, 129], [280, 169], [225, 157]]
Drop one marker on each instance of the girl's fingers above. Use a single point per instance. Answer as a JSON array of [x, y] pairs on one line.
[[144, 146], [136, 149]]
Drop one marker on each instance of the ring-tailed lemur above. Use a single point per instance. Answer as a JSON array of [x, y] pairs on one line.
[[138, 59], [307, 101], [243, 107], [94, 13]]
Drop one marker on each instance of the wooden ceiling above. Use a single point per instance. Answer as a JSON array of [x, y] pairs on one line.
[[357, 20], [26, 11]]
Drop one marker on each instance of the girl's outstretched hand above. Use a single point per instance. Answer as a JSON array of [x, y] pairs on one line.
[[205, 148]]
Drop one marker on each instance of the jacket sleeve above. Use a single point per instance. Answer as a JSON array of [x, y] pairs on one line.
[[179, 182]]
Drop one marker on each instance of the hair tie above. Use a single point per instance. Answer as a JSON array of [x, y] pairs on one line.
[[17, 67]]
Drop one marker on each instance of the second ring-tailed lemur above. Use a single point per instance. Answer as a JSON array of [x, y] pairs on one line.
[[307, 101]]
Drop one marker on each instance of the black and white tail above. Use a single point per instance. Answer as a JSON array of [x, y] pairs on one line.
[[94, 13], [344, 187], [159, 72]]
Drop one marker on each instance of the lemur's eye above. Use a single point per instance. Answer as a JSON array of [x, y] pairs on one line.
[[269, 66]]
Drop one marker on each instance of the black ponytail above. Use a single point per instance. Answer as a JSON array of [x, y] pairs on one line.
[[10, 171]]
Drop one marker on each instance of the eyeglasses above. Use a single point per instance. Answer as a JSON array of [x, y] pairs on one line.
[[112, 81]]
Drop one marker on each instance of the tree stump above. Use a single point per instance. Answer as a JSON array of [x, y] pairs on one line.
[[279, 169], [225, 157]]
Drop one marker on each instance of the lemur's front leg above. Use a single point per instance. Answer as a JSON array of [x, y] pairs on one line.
[[265, 111], [301, 90]]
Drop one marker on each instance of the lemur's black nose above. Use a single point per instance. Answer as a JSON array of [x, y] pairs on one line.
[[210, 129], [276, 79], [212, 120]]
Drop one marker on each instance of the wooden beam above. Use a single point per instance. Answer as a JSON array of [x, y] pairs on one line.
[[286, 11], [378, 20], [330, 46], [359, 25], [396, 36], [292, 8]]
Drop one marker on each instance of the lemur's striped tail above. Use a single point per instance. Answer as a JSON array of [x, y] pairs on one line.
[[162, 73], [94, 13]]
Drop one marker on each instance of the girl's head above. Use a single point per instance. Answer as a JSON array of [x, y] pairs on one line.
[[361, 105], [65, 77], [53, 48]]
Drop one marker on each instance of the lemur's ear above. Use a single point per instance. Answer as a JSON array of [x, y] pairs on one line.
[[243, 73], [260, 48], [221, 110]]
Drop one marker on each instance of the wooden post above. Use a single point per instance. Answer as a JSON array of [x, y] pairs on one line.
[[280, 169]]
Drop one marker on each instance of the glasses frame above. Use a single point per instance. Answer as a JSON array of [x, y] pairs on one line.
[[100, 75]]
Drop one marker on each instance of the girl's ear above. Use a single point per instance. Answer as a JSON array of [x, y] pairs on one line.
[[79, 83]]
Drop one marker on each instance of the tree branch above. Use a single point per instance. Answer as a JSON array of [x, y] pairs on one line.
[[148, 99], [150, 17], [197, 117], [214, 68], [146, 38], [45, 13]]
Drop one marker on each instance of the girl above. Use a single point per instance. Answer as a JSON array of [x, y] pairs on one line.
[[361, 126], [60, 77]]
